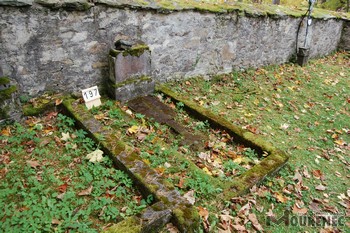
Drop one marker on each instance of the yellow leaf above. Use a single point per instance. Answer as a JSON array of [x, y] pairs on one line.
[[6, 131], [248, 114], [133, 129], [256, 102], [340, 142], [99, 116], [58, 101], [146, 161], [144, 122], [238, 160], [206, 170]]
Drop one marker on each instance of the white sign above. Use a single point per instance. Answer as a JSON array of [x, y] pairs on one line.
[[91, 97]]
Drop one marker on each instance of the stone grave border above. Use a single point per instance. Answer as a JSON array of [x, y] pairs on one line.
[[169, 204]]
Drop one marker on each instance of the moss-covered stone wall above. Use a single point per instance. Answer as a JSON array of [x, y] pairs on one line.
[[63, 45]]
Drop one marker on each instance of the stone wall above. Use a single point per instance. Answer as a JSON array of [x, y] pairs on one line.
[[58, 50], [345, 39]]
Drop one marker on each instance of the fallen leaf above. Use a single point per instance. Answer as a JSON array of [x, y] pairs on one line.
[[238, 160], [62, 188], [141, 136], [306, 173], [58, 101], [204, 155], [203, 212], [55, 221], [181, 183], [281, 198], [133, 129], [51, 115], [318, 174], [253, 219], [189, 196], [314, 207], [100, 116], [298, 177], [60, 196], [239, 228], [299, 210], [33, 164], [129, 112], [331, 209], [171, 228], [215, 103], [244, 211], [206, 170], [284, 126], [340, 142], [86, 192], [320, 187], [95, 156], [65, 136], [6, 131], [160, 170]]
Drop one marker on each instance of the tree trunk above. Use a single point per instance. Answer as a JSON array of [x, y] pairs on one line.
[[277, 2]]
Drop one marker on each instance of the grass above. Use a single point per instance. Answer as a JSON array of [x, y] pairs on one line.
[[47, 184], [301, 110]]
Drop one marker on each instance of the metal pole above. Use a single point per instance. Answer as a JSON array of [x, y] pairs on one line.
[[309, 22]]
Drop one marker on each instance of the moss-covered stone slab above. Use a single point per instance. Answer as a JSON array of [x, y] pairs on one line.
[[40, 104], [131, 88], [18, 3], [69, 5], [147, 179], [274, 160], [6, 92], [152, 108], [152, 219], [168, 6]]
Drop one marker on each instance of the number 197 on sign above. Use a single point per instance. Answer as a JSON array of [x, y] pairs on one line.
[[90, 93]]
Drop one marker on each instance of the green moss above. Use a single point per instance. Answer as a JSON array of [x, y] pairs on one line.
[[4, 112], [168, 6], [256, 175], [136, 50], [40, 106], [168, 185], [4, 80], [6, 93], [259, 141], [129, 225], [187, 219], [130, 81]]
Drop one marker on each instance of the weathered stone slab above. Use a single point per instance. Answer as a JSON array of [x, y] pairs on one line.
[[154, 109], [16, 2], [152, 219], [130, 63], [131, 88]]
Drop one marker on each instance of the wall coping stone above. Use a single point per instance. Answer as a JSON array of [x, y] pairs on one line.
[[168, 7]]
